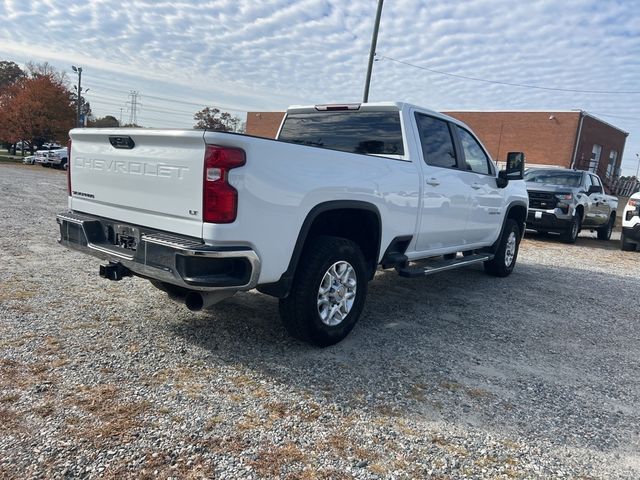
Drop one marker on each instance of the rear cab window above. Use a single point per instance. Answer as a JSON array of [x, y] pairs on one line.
[[364, 132]]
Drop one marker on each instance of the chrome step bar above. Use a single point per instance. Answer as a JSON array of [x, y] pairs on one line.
[[440, 265]]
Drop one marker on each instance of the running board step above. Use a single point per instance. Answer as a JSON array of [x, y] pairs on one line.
[[435, 266]]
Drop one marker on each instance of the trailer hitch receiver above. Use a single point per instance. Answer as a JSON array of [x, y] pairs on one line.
[[114, 271]]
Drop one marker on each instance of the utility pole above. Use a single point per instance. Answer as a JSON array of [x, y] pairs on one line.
[[78, 70], [372, 51], [120, 122]]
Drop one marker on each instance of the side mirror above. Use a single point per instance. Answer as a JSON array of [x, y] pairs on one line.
[[594, 189], [514, 169], [515, 165]]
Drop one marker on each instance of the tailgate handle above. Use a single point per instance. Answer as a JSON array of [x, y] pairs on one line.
[[122, 142]]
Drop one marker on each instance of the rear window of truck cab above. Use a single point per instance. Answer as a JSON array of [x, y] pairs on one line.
[[369, 133]]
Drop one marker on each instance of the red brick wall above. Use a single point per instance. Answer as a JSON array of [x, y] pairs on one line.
[[544, 141], [264, 124], [596, 132]]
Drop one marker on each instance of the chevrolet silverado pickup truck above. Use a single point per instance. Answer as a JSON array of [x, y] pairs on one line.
[[307, 217], [630, 238], [568, 201], [56, 157]]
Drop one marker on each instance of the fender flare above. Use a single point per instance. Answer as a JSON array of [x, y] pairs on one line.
[[512, 205], [282, 287]]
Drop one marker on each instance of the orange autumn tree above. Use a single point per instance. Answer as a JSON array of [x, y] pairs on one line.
[[37, 108]]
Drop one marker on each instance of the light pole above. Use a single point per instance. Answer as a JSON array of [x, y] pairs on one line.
[[79, 71], [638, 167], [372, 51]]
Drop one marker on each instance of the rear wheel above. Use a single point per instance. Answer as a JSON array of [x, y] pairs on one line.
[[627, 246], [328, 292], [507, 252], [604, 233], [63, 164]]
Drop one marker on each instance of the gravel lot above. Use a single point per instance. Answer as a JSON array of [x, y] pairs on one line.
[[459, 375]]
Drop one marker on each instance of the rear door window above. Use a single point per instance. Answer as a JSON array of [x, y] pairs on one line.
[[436, 141], [373, 133]]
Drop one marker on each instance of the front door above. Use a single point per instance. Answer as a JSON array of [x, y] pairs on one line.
[[600, 210], [445, 199], [485, 198]]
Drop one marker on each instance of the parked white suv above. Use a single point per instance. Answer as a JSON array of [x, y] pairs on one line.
[[631, 224]]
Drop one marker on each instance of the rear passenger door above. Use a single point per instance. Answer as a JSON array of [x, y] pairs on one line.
[[444, 197], [479, 177]]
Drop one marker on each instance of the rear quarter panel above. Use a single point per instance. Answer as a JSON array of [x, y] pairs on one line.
[[282, 182]]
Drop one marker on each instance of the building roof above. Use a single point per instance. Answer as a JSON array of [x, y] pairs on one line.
[[578, 111]]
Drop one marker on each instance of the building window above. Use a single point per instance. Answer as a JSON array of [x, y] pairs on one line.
[[595, 158], [611, 168]]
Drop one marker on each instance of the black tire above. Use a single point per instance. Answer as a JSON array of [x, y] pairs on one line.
[[299, 310], [500, 266], [627, 246], [604, 233], [63, 164], [571, 234]]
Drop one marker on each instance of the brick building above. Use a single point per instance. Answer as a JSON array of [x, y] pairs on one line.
[[570, 139]]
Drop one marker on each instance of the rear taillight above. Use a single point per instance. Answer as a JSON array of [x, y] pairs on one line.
[[219, 198], [69, 167]]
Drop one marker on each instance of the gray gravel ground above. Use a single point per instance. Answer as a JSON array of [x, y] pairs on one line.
[[459, 375]]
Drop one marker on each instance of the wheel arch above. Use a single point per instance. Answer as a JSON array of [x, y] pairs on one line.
[[355, 220], [516, 211]]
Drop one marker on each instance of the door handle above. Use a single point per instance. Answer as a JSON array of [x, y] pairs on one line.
[[432, 181], [476, 186]]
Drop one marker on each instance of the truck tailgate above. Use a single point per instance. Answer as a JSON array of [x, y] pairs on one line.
[[139, 176]]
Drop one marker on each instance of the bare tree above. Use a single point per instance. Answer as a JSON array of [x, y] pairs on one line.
[[212, 118]]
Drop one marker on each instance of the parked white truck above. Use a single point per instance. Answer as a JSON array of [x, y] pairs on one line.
[[630, 238], [306, 218]]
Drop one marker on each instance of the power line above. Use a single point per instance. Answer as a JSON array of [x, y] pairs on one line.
[[174, 100], [623, 117], [147, 107], [522, 85]]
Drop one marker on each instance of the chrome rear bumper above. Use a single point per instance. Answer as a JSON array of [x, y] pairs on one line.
[[184, 261]]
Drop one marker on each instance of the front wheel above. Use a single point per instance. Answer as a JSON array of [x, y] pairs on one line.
[[507, 252], [328, 292], [571, 234]]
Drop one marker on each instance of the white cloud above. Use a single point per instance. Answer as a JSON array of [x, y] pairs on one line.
[[249, 55]]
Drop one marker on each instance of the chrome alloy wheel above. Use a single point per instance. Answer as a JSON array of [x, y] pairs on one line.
[[510, 251], [337, 293]]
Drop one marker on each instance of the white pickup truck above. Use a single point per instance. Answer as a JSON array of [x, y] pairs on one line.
[[52, 156], [307, 218]]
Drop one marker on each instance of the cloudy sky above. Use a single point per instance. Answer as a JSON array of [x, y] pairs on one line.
[[244, 55]]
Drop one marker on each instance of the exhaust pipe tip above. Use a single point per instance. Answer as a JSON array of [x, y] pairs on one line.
[[194, 301]]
